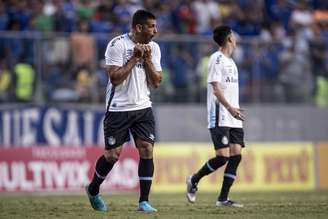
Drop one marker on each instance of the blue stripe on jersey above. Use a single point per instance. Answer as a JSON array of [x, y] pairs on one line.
[[213, 117], [217, 114], [112, 92]]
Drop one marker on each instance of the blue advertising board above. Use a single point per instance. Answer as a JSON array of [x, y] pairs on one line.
[[24, 126]]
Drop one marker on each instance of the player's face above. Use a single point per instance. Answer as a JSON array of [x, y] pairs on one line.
[[233, 40], [148, 30]]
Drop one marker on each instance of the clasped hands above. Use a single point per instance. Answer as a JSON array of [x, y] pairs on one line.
[[142, 51]]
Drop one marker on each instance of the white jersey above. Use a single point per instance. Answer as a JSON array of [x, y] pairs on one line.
[[133, 92], [222, 69]]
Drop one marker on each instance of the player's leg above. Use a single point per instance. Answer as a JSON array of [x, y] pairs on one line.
[[230, 173], [221, 145], [145, 172], [143, 132], [104, 165], [115, 133]]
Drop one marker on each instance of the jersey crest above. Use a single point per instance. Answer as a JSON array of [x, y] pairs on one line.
[[218, 59]]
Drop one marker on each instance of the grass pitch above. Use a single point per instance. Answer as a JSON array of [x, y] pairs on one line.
[[257, 205]]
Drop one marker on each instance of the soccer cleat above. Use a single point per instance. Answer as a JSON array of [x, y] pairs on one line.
[[97, 202], [146, 207], [228, 203], [191, 190]]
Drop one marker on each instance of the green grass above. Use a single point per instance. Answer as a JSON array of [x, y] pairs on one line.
[[257, 205]]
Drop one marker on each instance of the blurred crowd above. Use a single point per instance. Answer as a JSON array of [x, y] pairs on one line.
[[53, 50]]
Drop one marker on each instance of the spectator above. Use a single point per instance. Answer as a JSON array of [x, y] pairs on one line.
[[25, 80], [181, 64], [64, 16], [84, 9], [13, 46], [272, 32], [206, 49], [5, 82], [4, 19], [321, 97], [85, 85], [295, 74], [41, 21], [100, 21], [123, 11], [187, 17], [82, 45], [278, 10], [20, 12], [207, 15], [103, 21], [165, 17], [249, 18], [302, 22], [269, 68]]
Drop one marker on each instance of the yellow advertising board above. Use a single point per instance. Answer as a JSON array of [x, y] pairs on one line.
[[323, 164], [264, 167]]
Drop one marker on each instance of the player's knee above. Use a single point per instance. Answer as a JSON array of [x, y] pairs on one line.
[[222, 159], [233, 164], [224, 152], [218, 161], [235, 159], [145, 150], [235, 149], [112, 157]]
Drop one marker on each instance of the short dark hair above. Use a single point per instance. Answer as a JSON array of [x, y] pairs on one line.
[[141, 17], [221, 33]]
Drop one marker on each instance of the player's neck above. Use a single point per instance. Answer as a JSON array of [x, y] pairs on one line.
[[227, 51], [134, 38]]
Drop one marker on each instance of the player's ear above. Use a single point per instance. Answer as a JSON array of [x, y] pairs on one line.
[[139, 27], [229, 38]]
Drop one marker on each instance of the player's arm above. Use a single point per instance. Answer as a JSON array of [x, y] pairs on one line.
[[235, 112], [118, 74], [154, 77]]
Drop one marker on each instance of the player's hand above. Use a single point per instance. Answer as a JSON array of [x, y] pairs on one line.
[[138, 51], [237, 113], [147, 51]]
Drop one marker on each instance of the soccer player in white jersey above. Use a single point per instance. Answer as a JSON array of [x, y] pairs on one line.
[[133, 66], [224, 118]]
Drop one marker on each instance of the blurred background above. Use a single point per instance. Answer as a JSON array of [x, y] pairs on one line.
[[52, 91]]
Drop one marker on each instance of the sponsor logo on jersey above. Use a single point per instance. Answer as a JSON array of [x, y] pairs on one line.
[[231, 80], [140, 65]]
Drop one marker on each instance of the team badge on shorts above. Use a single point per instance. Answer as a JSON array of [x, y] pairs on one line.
[[111, 140], [224, 140]]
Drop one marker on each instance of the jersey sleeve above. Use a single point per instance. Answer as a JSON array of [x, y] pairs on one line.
[[156, 57], [214, 70], [114, 53]]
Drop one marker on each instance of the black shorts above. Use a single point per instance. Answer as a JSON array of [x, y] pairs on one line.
[[223, 136], [117, 126]]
